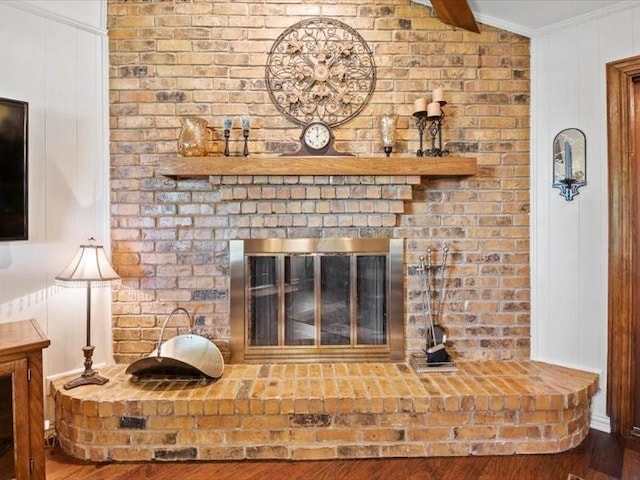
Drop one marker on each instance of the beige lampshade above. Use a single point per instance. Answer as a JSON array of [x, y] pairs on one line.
[[89, 266]]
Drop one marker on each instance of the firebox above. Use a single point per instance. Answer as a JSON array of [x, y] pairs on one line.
[[317, 299]]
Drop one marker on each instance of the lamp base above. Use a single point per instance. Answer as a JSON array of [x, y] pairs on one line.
[[89, 376], [94, 378]]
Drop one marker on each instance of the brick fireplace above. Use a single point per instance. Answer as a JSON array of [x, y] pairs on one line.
[[170, 236]]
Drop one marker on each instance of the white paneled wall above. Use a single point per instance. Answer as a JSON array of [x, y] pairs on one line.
[[57, 64], [569, 239]]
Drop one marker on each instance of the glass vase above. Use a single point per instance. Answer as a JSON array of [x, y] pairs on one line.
[[388, 123], [192, 141]]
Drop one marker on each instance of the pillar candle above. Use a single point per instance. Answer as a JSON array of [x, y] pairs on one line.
[[568, 167], [438, 95], [420, 105], [433, 110]]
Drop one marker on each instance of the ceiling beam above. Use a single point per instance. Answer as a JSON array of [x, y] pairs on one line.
[[456, 13]]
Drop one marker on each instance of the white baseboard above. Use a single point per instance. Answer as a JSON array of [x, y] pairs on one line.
[[600, 422]]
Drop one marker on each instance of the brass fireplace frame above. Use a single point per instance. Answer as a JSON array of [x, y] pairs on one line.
[[392, 350]]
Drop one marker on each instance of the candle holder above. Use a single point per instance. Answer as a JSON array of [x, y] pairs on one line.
[[435, 128], [244, 121], [434, 117], [388, 124], [421, 123], [227, 133], [245, 135], [228, 124], [435, 131], [569, 162]]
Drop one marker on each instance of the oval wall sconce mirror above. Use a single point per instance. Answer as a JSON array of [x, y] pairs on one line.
[[569, 162]]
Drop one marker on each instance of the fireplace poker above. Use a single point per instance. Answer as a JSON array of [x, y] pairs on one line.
[[425, 270], [445, 252]]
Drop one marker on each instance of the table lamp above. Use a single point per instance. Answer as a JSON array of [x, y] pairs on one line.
[[89, 268]]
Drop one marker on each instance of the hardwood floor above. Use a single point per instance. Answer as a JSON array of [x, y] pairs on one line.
[[578, 461]]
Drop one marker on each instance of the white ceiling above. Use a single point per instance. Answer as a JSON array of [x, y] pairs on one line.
[[531, 17]]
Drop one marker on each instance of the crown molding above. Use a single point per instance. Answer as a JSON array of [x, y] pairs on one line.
[[603, 12], [505, 25], [63, 19], [535, 32]]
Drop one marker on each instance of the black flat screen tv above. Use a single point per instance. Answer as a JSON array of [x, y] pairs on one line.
[[14, 203]]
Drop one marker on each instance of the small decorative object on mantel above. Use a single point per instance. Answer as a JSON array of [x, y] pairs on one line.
[[320, 73], [432, 114], [317, 139], [388, 123], [245, 134], [435, 357], [192, 141], [569, 162], [227, 124]]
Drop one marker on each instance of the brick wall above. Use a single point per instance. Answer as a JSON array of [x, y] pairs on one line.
[[206, 58]]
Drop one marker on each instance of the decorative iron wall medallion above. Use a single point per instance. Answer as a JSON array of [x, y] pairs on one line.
[[320, 70]]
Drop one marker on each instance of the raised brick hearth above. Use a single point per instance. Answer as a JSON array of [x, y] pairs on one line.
[[339, 410]]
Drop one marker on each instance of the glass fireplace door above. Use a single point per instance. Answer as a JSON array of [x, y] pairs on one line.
[[264, 304], [316, 300], [372, 300], [300, 300], [335, 300]]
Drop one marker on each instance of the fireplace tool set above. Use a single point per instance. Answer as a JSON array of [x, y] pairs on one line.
[[433, 285]]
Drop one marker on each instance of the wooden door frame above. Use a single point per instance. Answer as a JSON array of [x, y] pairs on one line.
[[623, 243]]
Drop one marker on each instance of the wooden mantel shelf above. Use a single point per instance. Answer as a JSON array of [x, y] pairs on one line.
[[370, 165]]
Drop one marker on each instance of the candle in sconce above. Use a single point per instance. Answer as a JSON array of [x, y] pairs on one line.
[[438, 95], [420, 105], [245, 122], [568, 167], [228, 123], [433, 110]]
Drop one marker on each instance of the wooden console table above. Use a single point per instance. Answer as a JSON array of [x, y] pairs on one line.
[[21, 345]]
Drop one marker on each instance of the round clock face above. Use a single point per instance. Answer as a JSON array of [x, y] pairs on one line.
[[316, 135]]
